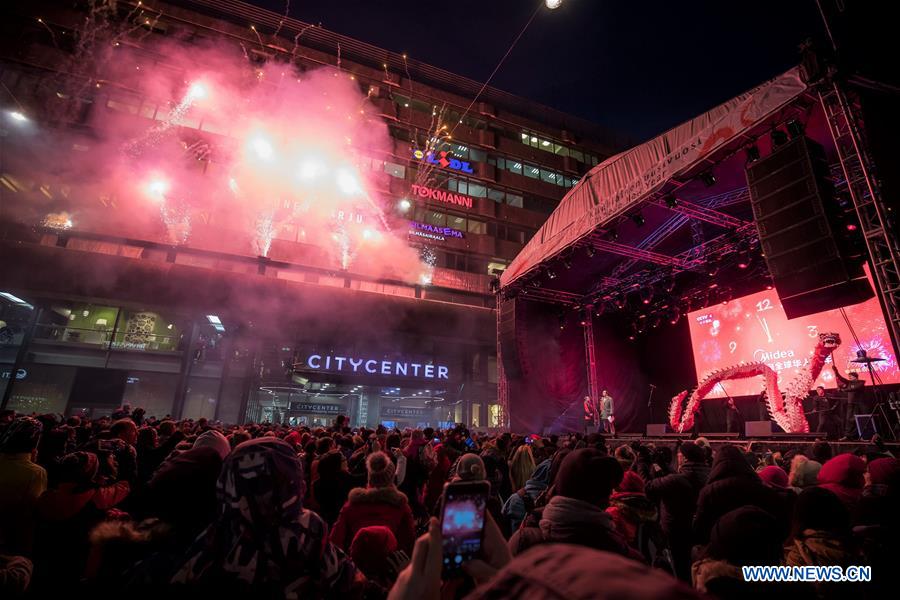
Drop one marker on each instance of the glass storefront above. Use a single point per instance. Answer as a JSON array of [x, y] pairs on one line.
[[155, 392], [42, 388]]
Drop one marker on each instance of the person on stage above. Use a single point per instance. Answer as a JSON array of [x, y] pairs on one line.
[[591, 416], [824, 409], [607, 418], [733, 419], [854, 390]]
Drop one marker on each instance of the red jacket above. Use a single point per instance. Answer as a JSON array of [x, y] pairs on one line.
[[375, 506]]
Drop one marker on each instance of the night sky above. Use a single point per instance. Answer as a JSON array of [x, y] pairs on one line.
[[635, 66]]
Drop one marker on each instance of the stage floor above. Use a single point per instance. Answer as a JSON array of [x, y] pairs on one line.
[[784, 441]]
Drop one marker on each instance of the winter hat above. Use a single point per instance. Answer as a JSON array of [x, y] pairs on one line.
[[381, 470], [820, 510], [746, 536], [804, 472], [215, 440], [470, 468], [774, 476], [588, 474], [79, 468], [631, 483], [370, 548], [20, 436], [845, 476], [884, 470], [692, 452]]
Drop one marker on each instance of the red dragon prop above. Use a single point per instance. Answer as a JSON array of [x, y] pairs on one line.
[[786, 410]]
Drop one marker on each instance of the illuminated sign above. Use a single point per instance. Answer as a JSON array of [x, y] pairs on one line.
[[370, 366], [347, 216], [20, 374], [405, 411], [444, 160], [433, 232], [317, 407], [442, 196]]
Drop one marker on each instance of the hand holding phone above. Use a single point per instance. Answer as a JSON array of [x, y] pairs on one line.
[[462, 524]]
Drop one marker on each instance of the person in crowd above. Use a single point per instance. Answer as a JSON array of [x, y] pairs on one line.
[[263, 541], [15, 575], [333, 486], [22, 482], [68, 512], [635, 517], [677, 495], [420, 460], [821, 536], [522, 502], [494, 456], [576, 514], [521, 467], [845, 476], [804, 473], [777, 479], [380, 503], [745, 536], [376, 553], [732, 483]]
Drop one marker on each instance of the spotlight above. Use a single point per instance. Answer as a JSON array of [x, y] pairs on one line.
[[613, 234], [712, 269], [589, 250], [671, 201], [600, 309], [752, 153], [795, 128], [655, 322], [708, 179], [852, 227], [769, 286], [646, 294], [551, 273], [674, 315], [17, 116], [621, 301], [670, 284], [404, 205], [552, 4], [567, 263], [638, 219], [779, 138]]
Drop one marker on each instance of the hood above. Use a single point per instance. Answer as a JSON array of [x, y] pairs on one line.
[[730, 462], [540, 479], [384, 495], [697, 472], [564, 517], [817, 548], [634, 507]]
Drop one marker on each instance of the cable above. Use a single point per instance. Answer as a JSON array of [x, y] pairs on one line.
[[497, 68]]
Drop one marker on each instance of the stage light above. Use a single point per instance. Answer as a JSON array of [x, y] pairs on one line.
[[551, 273], [779, 138], [671, 201], [654, 323], [708, 179], [752, 153], [712, 269], [600, 309], [567, 263], [670, 284], [613, 234], [852, 227], [621, 301], [674, 315], [157, 188], [347, 182], [196, 91], [552, 4], [646, 294], [404, 205], [795, 128], [638, 219], [589, 250], [769, 286], [17, 116], [310, 169], [261, 147]]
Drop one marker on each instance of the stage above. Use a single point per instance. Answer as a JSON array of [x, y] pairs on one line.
[[776, 442]]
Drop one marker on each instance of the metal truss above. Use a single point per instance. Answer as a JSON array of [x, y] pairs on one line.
[[841, 108]]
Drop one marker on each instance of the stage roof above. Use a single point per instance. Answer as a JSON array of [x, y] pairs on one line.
[[630, 178]]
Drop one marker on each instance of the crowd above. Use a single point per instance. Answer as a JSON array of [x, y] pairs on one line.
[[131, 504]]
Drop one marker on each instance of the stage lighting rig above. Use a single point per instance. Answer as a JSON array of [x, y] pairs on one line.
[[671, 201], [613, 234], [795, 128], [646, 294], [638, 219], [589, 250], [752, 153], [708, 179]]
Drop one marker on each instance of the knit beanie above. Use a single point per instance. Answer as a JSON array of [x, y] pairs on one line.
[[631, 483], [470, 468], [215, 440], [588, 474], [381, 470], [774, 476], [370, 548]]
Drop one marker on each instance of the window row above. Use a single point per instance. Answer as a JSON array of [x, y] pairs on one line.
[[533, 171], [500, 231], [541, 143]]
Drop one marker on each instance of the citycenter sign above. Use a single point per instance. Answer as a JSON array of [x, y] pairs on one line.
[[370, 366], [442, 196], [444, 160]]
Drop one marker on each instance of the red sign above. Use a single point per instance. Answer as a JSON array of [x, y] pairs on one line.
[[442, 196]]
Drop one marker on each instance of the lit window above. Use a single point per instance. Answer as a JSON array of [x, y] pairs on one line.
[[532, 171], [515, 167], [478, 227], [395, 170], [477, 190], [514, 200]]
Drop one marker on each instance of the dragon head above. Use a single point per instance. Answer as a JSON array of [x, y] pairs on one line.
[[829, 340]]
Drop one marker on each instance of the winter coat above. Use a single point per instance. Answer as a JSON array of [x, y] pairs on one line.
[[677, 495], [732, 484], [331, 494], [514, 508], [570, 521], [628, 511], [375, 506]]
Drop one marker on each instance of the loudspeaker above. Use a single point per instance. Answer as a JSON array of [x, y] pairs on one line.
[[510, 337], [657, 429], [757, 428], [793, 204]]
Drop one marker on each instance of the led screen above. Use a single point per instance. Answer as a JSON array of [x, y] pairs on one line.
[[755, 328]]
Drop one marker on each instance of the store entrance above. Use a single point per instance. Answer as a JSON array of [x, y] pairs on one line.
[[318, 403]]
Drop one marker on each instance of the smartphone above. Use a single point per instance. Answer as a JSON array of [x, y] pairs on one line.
[[529, 440], [469, 442], [437, 440], [462, 523]]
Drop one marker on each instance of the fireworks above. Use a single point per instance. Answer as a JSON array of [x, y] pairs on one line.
[[60, 221]]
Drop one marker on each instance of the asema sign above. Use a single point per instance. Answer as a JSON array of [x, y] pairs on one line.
[[371, 367], [444, 160], [434, 232]]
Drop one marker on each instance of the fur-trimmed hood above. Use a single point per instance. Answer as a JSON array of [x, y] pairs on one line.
[[386, 495]]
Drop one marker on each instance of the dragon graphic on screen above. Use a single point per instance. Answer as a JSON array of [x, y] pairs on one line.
[[785, 408]]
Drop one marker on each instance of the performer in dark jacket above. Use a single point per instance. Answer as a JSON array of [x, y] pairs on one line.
[[855, 394]]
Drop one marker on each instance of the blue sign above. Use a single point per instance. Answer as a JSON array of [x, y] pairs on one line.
[[434, 232], [370, 366], [444, 160]]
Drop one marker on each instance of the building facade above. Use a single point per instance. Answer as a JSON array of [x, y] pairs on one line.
[[207, 327]]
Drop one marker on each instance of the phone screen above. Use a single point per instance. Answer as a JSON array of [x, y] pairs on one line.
[[437, 440], [462, 523], [469, 442]]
